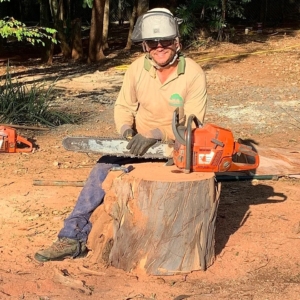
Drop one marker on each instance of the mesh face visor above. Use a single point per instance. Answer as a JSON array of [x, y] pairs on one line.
[[155, 26]]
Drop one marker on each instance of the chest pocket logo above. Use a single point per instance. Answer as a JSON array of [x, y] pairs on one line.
[[176, 100]]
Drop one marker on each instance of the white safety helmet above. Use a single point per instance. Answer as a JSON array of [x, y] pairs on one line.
[[156, 24]]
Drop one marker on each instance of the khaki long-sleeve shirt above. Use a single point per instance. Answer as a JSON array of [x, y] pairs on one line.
[[146, 104]]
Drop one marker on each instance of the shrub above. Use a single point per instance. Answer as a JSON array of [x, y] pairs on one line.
[[30, 105]]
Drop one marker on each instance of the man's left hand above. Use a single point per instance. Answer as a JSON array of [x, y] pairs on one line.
[[139, 144]]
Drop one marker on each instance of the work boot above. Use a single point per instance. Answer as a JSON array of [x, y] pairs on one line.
[[61, 249]]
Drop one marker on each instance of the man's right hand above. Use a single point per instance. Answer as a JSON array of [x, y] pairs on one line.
[[129, 133], [139, 144]]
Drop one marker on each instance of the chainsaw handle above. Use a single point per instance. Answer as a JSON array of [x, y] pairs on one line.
[[23, 141], [236, 167], [247, 151]]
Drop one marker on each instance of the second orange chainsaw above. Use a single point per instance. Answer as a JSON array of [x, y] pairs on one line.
[[11, 142]]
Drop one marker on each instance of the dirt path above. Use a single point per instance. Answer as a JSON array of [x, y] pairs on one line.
[[258, 223]]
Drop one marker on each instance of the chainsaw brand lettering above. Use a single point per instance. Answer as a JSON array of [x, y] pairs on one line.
[[176, 100]]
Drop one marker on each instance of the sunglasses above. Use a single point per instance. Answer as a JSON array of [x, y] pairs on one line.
[[163, 43]]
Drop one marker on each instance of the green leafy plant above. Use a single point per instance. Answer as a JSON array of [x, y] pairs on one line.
[[188, 20], [9, 27], [88, 3], [30, 105]]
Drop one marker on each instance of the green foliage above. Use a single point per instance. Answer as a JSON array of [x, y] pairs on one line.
[[191, 13], [88, 3], [9, 27], [188, 20], [217, 22], [20, 104], [236, 8], [195, 12]]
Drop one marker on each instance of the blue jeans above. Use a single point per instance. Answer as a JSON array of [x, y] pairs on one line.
[[77, 226]]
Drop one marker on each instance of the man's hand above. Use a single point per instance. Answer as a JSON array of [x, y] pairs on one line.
[[139, 144], [128, 134]]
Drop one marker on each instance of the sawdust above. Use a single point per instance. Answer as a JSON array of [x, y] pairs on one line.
[[257, 96]]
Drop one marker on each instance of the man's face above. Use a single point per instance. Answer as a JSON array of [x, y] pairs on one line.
[[162, 52]]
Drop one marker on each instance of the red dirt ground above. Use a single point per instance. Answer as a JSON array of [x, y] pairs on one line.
[[258, 224]]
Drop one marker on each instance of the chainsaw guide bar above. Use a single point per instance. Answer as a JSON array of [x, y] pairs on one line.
[[114, 147]]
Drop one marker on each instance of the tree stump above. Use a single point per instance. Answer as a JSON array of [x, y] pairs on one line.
[[156, 220]]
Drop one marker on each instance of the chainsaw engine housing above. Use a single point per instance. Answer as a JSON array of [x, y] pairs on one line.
[[212, 149], [209, 148]]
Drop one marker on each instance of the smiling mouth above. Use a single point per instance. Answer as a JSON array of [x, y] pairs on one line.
[[161, 53]]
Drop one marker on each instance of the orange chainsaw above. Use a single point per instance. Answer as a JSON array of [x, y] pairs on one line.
[[207, 148], [10, 142]]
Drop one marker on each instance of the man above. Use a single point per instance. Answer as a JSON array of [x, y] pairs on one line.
[[154, 85]]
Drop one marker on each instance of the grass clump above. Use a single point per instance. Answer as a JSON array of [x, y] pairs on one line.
[[30, 105]]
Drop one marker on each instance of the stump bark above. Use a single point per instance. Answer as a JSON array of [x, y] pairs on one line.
[[156, 220]]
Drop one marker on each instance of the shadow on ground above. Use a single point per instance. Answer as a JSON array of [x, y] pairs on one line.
[[234, 208]]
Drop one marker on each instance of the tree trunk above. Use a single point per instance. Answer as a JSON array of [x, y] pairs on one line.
[[121, 12], [140, 7], [262, 10], [105, 25], [77, 51], [131, 25], [96, 31], [57, 15], [156, 221], [47, 50], [223, 19], [65, 48]]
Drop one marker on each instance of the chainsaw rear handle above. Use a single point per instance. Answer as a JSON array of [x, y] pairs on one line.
[[245, 149], [25, 142], [248, 153]]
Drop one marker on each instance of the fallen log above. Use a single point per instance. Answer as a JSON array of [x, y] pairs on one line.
[[278, 161], [156, 221], [25, 127], [42, 182]]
